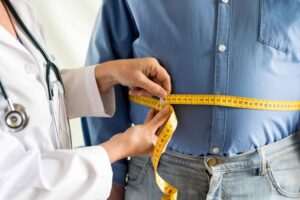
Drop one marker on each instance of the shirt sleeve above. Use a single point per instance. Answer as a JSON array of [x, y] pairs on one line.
[[83, 173], [82, 94], [112, 38]]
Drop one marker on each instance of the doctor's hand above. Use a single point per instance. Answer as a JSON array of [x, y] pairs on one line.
[[144, 76], [138, 140]]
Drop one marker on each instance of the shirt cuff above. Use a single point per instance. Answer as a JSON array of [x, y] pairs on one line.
[[83, 97], [107, 106]]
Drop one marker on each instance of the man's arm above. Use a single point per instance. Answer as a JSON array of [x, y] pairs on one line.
[[112, 38]]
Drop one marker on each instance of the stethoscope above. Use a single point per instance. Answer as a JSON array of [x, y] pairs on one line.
[[15, 116]]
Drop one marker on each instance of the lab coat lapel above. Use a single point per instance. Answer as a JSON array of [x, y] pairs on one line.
[[8, 40], [29, 19]]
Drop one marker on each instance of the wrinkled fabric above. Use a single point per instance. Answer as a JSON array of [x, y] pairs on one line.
[[261, 59]]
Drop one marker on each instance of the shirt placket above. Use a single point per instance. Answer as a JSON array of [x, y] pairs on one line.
[[218, 130]]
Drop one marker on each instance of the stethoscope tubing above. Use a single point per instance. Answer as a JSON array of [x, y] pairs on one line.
[[17, 109], [7, 99], [50, 65]]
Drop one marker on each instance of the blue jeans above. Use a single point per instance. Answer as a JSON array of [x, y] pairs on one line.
[[271, 172]]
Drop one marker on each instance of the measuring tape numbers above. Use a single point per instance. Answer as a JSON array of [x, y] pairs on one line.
[[169, 191]]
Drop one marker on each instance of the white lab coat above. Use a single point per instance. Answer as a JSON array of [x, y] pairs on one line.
[[31, 166]]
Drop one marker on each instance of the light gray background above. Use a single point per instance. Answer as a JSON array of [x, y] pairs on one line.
[[68, 25]]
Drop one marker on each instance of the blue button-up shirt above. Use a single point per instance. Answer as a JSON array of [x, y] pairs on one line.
[[248, 48]]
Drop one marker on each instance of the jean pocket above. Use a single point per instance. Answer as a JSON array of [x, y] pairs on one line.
[[138, 167], [284, 174], [280, 24]]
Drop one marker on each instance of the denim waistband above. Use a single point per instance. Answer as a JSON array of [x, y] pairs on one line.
[[255, 158]]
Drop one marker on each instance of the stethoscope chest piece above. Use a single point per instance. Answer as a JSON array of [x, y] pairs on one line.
[[16, 119]]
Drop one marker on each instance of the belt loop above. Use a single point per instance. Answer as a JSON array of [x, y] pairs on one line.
[[263, 162]]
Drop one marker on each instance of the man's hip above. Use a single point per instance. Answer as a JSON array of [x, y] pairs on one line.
[[270, 172]]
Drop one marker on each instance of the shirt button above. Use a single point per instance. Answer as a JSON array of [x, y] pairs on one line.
[[222, 48], [215, 150], [224, 1]]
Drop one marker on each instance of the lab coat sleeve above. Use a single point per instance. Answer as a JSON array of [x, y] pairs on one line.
[[82, 94], [83, 173]]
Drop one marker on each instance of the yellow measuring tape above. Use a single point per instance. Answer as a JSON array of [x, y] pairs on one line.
[[170, 192]]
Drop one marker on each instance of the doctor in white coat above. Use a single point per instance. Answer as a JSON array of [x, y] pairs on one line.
[[36, 161]]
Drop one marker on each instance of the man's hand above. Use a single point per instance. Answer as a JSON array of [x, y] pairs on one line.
[[144, 76]]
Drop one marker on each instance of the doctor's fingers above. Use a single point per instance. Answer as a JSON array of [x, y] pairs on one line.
[[140, 92], [152, 112], [160, 76], [156, 120], [162, 91], [146, 86]]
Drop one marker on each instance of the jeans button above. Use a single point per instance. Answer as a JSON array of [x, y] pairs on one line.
[[212, 162]]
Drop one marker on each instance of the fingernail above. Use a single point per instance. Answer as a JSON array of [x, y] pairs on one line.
[[163, 94]]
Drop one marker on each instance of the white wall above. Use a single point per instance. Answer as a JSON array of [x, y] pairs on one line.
[[68, 25]]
